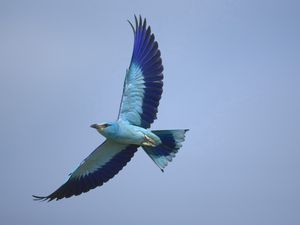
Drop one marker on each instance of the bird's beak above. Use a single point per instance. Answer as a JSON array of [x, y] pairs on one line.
[[96, 126]]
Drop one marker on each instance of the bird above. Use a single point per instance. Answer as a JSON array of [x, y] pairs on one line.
[[142, 90]]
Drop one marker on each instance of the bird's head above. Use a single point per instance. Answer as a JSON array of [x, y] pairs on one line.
[[104, 128]]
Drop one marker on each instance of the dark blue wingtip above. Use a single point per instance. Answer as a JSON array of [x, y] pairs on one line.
[[138, 22], [133, 29], [41, 198]]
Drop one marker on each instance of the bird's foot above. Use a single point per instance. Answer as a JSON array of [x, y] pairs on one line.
[[149, 142]]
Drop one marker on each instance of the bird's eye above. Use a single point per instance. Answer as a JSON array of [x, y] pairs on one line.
[[106, 125]]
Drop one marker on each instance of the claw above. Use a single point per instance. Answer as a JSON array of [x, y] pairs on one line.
[[148, 141]]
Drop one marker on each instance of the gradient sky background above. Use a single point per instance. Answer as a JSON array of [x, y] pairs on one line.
[[232, 75]]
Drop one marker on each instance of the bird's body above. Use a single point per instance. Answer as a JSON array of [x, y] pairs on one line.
[[123, 132], [141, 94]]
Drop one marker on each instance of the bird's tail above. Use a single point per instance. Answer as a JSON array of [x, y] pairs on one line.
[[165, 152]]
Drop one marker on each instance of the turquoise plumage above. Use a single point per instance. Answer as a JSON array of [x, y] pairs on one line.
[[139, 105]]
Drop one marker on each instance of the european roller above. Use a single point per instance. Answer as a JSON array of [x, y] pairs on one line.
[[142, 90]]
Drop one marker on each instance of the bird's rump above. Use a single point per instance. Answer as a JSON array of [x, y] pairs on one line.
[[171, 142]]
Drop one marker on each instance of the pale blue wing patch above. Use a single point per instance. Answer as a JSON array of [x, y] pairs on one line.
[[133, 95]]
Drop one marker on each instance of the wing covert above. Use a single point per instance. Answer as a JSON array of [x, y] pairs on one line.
[[144, 79]]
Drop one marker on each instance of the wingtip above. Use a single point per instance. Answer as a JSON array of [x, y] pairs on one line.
[[40, 198], [131, 26], [138, 22]]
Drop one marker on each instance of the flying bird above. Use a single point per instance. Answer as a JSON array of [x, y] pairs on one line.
[[142, 91]]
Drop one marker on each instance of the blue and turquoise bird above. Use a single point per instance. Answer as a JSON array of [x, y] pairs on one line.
[[141, 94]]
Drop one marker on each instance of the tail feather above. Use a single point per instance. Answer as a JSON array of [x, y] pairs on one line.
[[166, 151]]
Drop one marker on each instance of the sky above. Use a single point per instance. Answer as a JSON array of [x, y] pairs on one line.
[[232, 76]]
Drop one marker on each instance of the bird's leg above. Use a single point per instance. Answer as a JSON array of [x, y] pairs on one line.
[[148, 141]]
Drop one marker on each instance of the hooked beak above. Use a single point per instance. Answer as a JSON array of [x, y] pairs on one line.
[[98, 126], [95, 126]]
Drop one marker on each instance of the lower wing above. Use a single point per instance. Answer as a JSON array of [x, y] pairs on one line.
[[100, 166]]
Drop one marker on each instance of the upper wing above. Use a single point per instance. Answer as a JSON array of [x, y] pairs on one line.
[[143, 82], [100, 166]]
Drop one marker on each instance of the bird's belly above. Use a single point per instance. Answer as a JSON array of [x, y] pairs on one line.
[[130, 137], [134, 135]]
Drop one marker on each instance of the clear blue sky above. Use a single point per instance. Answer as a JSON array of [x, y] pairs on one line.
[[232, 75]]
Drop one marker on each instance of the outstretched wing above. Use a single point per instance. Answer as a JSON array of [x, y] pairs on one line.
[[100, 166], [143, 82]]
